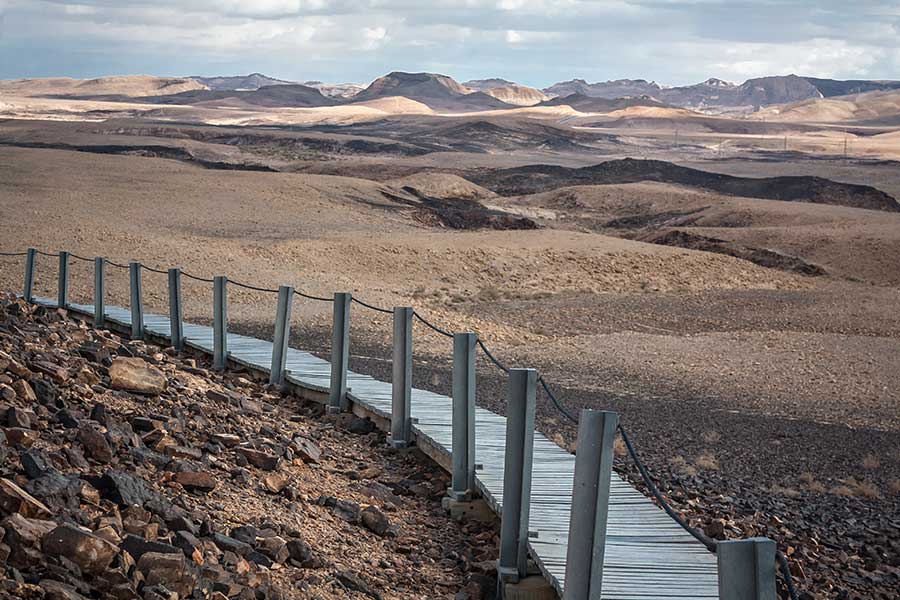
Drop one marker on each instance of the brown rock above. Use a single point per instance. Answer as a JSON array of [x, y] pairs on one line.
[[196, 481], [136, 375], [23, 536], [51, 370], [14, 499], [24, 391], [17, 436], [226, 439], [275, 482], [260, 459], [16, 417], [95, 444], [169, 570], [374, 520], [307, 450], [91, 553]]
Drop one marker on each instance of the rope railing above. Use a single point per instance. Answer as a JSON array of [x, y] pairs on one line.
[[371, 306], [431, 325], [152, 270], [312, 297], [115, 264], [196, 278], [708, 542], [247, 286]]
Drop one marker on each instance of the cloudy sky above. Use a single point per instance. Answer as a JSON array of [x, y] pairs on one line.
[[535, 42]]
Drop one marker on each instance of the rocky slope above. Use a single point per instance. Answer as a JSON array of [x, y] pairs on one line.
[[129, 472]]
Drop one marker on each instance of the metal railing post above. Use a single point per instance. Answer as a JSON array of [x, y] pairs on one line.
[[176, 315], [137, 301], [746, 569], [463, 421], [220, 323], [340, 353], [30, 257], [282, 333], [99, 292], [401, 396], [62, 300], [590, 504], [517, 475]]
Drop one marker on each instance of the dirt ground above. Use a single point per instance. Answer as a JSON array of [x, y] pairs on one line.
[[743, 385]]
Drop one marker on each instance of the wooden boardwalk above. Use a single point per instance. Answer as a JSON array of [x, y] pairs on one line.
[[648, 555]]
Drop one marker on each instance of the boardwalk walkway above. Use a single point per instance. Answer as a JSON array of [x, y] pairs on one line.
[[648, 555]]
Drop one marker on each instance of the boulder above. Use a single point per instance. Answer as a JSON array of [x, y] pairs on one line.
[[258, 458], [196, 481], [91, 553], [95, 444], [136, 375], [374, 520], [168, 570], [23, 536]]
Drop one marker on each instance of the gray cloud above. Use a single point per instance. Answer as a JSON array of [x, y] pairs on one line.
[[536, 42]]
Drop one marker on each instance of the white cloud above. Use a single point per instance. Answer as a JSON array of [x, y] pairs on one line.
[[513, 37]]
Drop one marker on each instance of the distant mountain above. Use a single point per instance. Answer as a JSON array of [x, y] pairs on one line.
[[439, 92], [584, 103], [832, 87], [126, 86], [282, 95], [507, 91], [717, 93], [336, 90], [483, 85], [251, 82], [607, 89]]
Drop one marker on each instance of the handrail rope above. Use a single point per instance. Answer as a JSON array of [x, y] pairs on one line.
[[50, 254], [311, 297], [152, 270], [115, 264], [195, 278], [559, 405], [370, 306], [710, 543], [701, 537], [786, 574], [73, 255], [491, 357], [431, 325], [252, 287], [13, 253]]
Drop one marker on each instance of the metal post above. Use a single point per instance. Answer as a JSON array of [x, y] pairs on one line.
[[176, 316], [282, 333], [340, 353], [463, 429], [62, 300], [99, 292], [137, 301], [590, 504], [517, 475], [220, 323], [401, 422], [746, 569], [30, 257]]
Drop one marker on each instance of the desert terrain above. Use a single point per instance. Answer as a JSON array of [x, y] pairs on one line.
[[730, 283]]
